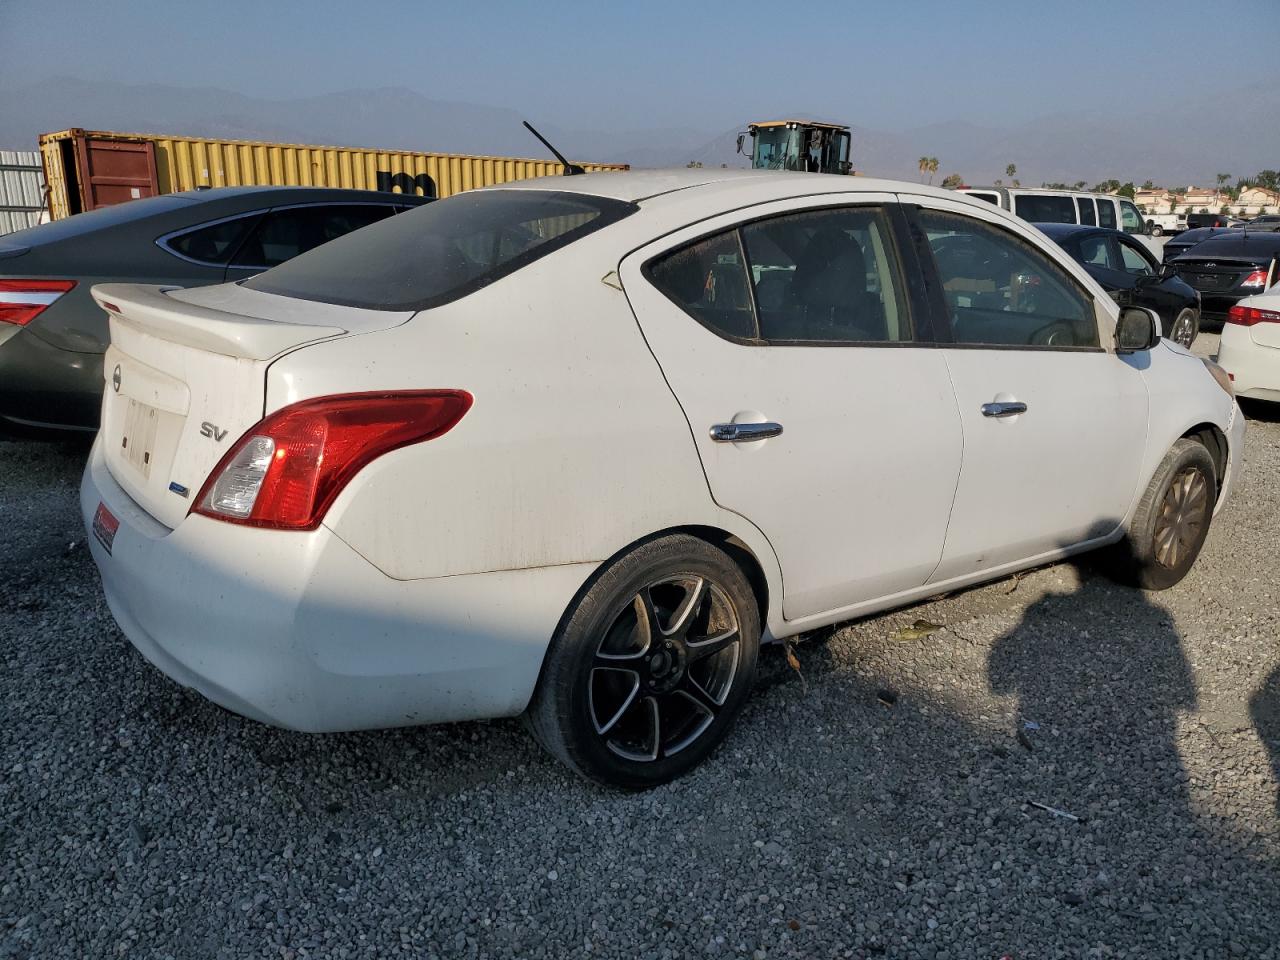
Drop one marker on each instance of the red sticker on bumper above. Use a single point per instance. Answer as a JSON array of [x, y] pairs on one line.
[[105, 526]]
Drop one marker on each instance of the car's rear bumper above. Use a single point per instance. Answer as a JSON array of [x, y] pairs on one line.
[[1254, 367], [47, 390], [298, 630]]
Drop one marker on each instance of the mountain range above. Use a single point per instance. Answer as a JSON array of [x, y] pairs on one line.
[[1186, 143]]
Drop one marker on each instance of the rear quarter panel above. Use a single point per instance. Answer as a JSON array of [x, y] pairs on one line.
[[574, 448]]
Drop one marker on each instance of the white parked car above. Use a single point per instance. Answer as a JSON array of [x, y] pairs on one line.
[[1250, 347], [571, 448]]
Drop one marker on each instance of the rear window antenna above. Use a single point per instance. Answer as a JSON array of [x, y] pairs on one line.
[[570, 169]]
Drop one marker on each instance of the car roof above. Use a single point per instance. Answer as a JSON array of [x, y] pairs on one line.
[[292, 194], [636, 186], [1063, 230]]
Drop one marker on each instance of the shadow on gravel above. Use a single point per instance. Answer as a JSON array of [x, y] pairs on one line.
[[1264, 708]]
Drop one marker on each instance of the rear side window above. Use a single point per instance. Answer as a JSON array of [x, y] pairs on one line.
[[1098, 252], [442, 251], [821, 276], [214, 244], [286, 233], [1044, 209], [992, 198]]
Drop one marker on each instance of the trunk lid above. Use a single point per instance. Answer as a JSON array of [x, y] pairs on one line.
[[186, 377]]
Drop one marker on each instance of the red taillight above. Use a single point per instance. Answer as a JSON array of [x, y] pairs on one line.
[[1248, 316], [1256, 279], [286, 471], [21, 301]]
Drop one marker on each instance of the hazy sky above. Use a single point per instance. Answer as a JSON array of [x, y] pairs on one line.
[[657, 63]]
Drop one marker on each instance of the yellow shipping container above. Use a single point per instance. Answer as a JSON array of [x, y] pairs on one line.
[[93, 168]]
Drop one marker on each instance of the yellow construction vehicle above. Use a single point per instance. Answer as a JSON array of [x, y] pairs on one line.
[[798, 145]]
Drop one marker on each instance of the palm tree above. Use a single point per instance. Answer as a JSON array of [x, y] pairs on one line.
[[1222, 182], [933, 167], [1011, 171], [923, 164]]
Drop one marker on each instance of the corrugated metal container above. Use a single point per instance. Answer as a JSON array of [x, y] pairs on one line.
[[21, 190], [79, 179]]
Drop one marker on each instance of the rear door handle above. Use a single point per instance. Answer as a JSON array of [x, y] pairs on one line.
[[1003, 409], [744, 432]]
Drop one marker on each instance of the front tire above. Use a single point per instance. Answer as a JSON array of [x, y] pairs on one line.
[[650, 666], [1185, 327], [1172, 519]]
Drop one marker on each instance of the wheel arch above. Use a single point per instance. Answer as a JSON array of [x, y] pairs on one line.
[[1215, 441], [730, 543]]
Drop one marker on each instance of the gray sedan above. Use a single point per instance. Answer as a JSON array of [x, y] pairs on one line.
[[52, 334]]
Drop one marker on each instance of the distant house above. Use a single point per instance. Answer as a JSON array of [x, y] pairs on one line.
[[1254, 201]]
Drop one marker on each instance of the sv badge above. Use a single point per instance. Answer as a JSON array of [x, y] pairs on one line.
[[208, 429]]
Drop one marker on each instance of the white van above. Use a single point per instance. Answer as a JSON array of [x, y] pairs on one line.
[[1069, 206]]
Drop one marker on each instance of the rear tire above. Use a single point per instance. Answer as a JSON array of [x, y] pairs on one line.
[[1172, 520], [650, 666], [1157, 230]]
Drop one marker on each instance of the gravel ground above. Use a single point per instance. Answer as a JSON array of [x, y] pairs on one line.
[[138, 820]]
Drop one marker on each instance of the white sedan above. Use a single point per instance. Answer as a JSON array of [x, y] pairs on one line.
[[572, 448], [1250, 347]]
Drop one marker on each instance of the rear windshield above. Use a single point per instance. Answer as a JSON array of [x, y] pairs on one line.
[[1045, 209], [441, 252]]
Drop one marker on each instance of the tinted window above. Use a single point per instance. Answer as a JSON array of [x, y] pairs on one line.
[[1001, 290], [1045, 209], [1085, 206], [993, 198], [215, 243], [708, 280], [284, 234], [1134, 262], [1106, 213], [1098, 252], [826, 275], [1131, 218], [441, 251]]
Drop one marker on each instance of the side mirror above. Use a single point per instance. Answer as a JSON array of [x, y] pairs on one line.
[[1137, 329], [1167, 270], [741, 138]]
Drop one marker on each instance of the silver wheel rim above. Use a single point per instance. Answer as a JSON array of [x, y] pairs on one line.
[[1182, 330], [664, 668], [1181, 518]]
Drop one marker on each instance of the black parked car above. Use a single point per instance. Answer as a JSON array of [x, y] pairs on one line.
[[1188, 239], [1229, 267], [52, 334], [1127, 270], [1200, 220]]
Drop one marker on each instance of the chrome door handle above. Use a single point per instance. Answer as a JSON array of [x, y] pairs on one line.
[[744, 432], [1003, 409]]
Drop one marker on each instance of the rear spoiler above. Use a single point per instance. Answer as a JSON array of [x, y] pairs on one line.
[[150, 310]]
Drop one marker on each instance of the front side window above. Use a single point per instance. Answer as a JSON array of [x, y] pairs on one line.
[[1002, 291], [1106, 213], [821, 276], [1131, 218], [442, 251], [1134, 262], [1041, 208]]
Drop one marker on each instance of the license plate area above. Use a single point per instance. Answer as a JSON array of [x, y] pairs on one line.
[[138, 439], [105, 526]]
